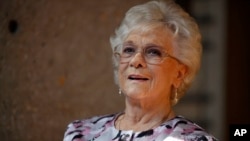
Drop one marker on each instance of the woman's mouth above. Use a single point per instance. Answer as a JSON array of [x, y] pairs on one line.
[[137, 77]]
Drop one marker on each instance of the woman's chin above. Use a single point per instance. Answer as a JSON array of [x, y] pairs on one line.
[[136, 95]]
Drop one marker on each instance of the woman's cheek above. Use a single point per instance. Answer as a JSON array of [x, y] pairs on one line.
[[121, 76]]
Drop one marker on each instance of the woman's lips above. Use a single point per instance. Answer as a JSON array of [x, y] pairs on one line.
[[137, 77]]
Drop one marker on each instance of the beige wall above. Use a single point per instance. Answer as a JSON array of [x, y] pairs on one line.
[[55, 65]]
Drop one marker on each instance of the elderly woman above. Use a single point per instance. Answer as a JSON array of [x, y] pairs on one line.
[[157, 53]]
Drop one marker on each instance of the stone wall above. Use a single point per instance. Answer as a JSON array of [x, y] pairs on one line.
[[55, 65]]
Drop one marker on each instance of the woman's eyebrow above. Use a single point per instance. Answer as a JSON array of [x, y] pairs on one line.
[[146, 45], [129, 43], [153, 45]]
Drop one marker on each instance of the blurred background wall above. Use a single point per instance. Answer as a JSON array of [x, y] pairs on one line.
[[55, 65]]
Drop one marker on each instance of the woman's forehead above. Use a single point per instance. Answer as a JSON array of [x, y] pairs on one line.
[[149, 27], [158, 35]]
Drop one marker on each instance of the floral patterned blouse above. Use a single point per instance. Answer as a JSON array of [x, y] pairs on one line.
[[102, 128]]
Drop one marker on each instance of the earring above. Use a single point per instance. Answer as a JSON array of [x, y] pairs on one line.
[[176, 96], [120, 91]]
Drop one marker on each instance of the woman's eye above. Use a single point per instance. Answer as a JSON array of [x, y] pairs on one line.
[[128, 50], [154, 52]]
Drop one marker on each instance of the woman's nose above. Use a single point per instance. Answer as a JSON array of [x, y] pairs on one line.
[[138, 61]]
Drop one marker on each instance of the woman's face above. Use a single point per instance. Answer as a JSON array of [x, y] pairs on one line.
[[139, 79]]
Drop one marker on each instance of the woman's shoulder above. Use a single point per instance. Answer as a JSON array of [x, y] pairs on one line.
[[92, 121], [187, 129], [80, 127]]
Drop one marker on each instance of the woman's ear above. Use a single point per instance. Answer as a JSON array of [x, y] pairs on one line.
[[180, 75]]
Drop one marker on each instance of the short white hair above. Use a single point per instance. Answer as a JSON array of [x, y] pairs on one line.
[[187, 39]]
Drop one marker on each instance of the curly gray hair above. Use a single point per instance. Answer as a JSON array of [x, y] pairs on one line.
[[187, 39]]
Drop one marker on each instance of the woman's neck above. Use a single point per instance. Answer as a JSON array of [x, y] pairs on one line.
[[141, 115]]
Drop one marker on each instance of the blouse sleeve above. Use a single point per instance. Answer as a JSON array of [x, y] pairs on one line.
[[201, 138], [74, 131]]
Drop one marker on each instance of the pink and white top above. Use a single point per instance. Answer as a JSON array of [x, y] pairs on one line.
[[102, 128]]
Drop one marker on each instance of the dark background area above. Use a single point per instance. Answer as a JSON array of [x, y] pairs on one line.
[[237, 83]]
